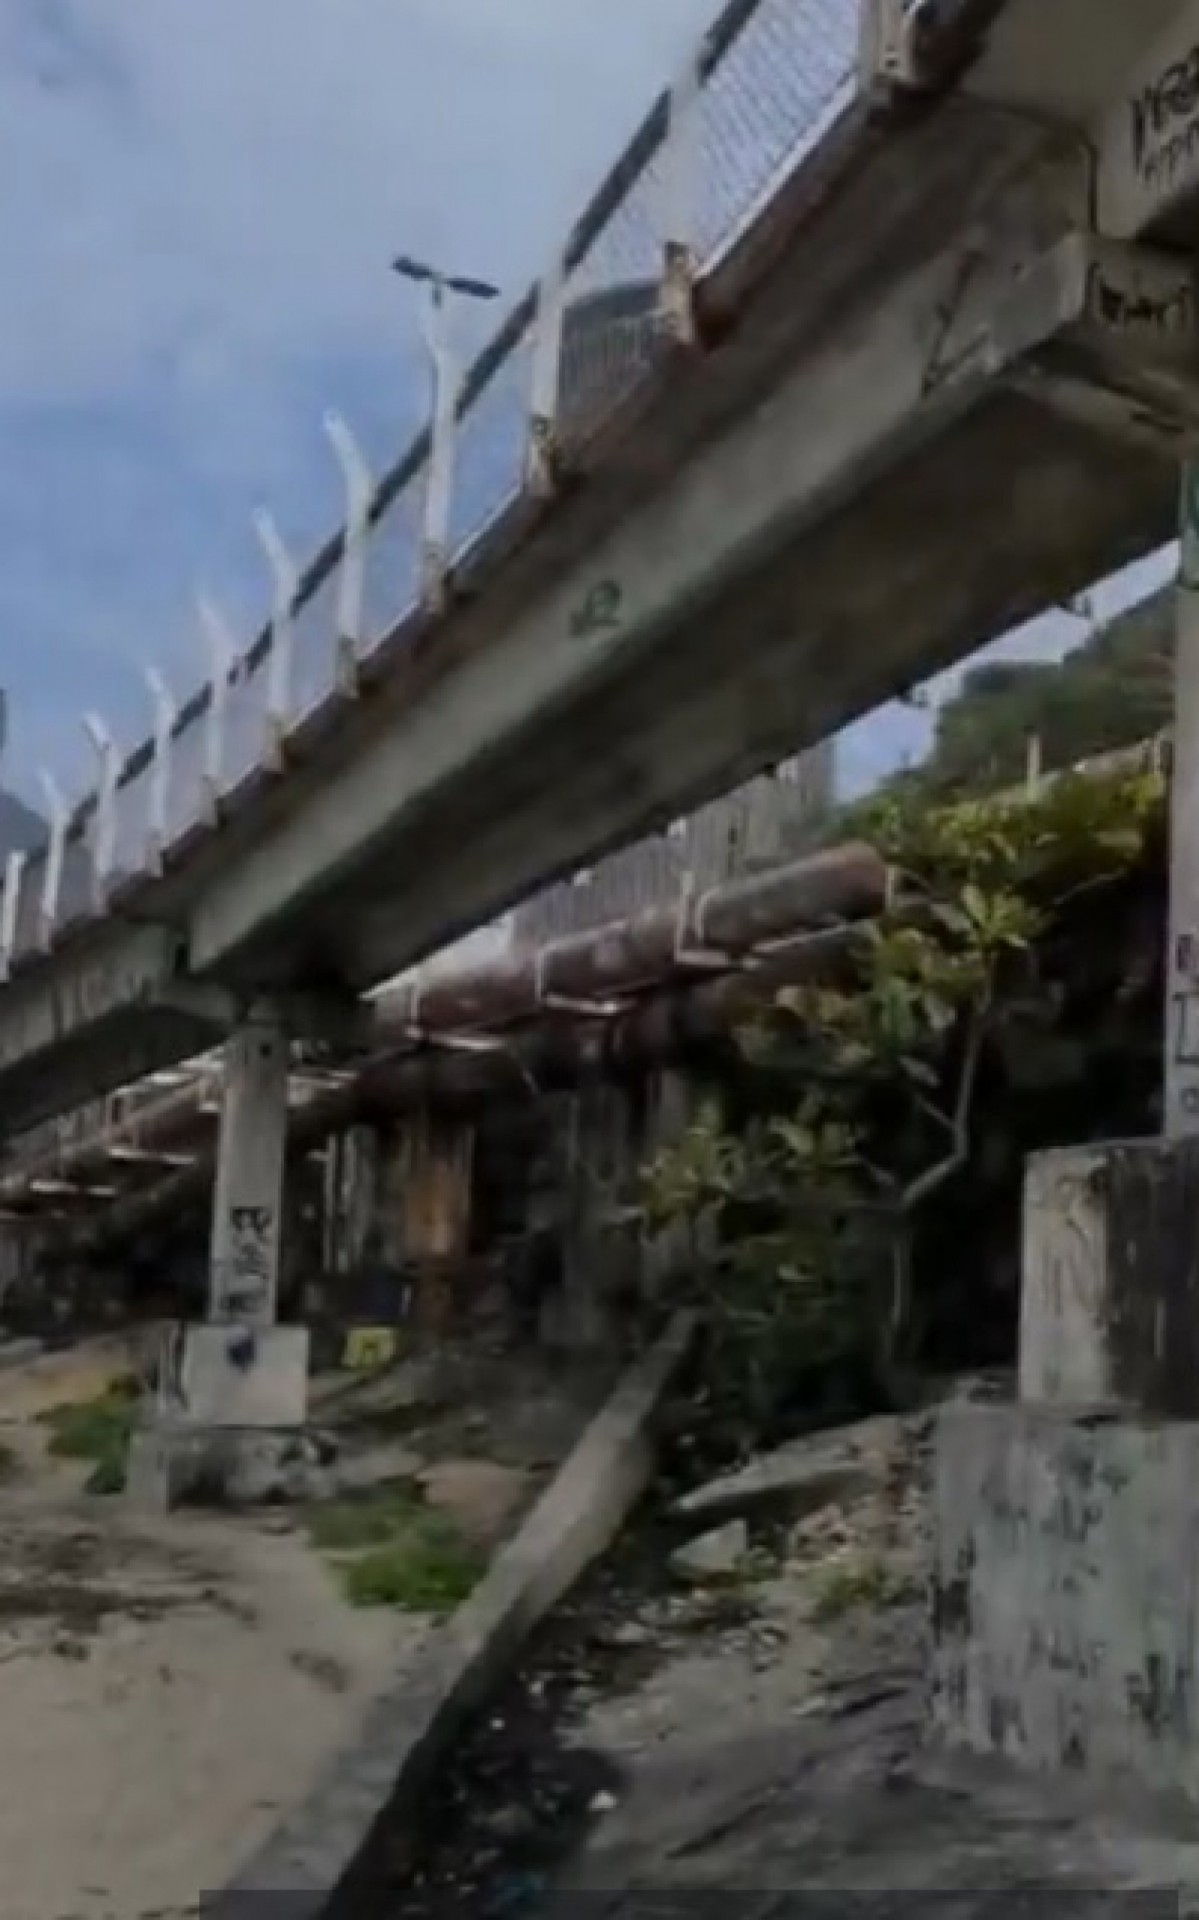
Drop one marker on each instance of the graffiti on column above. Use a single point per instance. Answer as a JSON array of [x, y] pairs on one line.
[[1182, 1036], [248, 1272], [1165, 122], [1185, 1037], [1162, 309]]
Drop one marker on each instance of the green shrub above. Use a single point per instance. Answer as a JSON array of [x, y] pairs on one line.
[[393, 1551], [422, 1571], [362, 1520], [868, 1582], [97, 1430]]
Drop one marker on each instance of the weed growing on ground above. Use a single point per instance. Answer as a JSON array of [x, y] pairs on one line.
[[420, 1574], [866, 1582], [393, 1551], [362, 1520], [97, 1430]]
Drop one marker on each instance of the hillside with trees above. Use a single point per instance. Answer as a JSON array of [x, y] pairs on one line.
[[1113, 689]]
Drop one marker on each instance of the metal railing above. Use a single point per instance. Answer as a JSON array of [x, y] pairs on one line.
[[762, 89]]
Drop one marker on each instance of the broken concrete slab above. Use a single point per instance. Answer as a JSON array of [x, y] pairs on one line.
[[799, 1477], [718, 1555], [340, 1845]]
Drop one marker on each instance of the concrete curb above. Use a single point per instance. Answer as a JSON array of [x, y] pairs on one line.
[[327, 1859]]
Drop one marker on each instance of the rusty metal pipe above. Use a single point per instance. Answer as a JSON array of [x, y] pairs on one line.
[[706, 934], [672, 1025]]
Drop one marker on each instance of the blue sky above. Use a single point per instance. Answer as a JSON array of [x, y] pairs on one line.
[[197, 205]]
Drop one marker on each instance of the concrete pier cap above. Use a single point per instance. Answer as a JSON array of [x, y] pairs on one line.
[[1109, 1311], [1065, 1592], [1065, 1603]]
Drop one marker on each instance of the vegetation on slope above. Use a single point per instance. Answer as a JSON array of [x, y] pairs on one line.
[[856, 1184], [390, 1549], [97, 1430], [1114, 689]]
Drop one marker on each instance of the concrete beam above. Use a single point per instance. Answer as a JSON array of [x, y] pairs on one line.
[[94, 1016], [1130, 368], [1147, 137], [896, 375], [118, 967], [1065, 60], [333, 1018]]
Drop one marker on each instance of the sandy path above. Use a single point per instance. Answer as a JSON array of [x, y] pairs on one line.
[[167, 1689]]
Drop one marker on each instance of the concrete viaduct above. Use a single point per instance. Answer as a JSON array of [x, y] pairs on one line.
[[935, 372]]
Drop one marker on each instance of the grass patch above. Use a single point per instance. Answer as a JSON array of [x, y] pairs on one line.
[[419, 1573], [393, 1551], [97, 1430], [364, 1519], [868, 1582]]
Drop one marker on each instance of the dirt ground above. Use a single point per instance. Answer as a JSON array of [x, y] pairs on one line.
[[165, 1693], [167, 1688], [763, 1742], [170, 1687]]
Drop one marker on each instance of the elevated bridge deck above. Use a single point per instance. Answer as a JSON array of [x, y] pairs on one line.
[[937, 383]]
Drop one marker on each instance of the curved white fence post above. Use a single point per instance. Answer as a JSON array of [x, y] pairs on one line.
[[351, 585], [109, 764], [58, 814], [285, 577], [222, 652], [680, 194], [542, 452], [165, 715], [439, 473], [14, 868]]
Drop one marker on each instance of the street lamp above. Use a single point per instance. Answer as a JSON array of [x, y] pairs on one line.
[[439, 284], [439, 475]]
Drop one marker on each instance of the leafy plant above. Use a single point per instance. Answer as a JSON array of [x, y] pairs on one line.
[[867, 1582], [859, 1091], [97, 1430], [394, 1551], [422, 1572], [364, 1520]]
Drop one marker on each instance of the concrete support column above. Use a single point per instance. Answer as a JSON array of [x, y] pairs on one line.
[[1110, 1286], [1066, 1578], [424, 1217], [247, 1210], [351, 1196], [1180, 1106], [1065, 1589], [232, 1394]]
